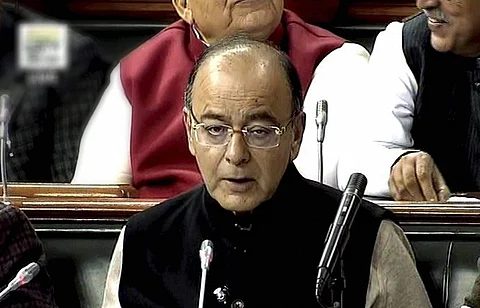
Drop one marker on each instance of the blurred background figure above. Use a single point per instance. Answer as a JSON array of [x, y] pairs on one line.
[[19, 246], [51, 100]]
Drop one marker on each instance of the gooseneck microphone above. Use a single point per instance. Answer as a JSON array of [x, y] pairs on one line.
[[206, 256], [321, 121], [24, 276], [339, 232], [5, 112]]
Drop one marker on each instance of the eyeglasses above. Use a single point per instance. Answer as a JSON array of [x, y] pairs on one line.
[[255, 136]]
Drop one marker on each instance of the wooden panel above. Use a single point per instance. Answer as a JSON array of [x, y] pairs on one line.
[[435, 214], [39, 190], [119, 209], [83, 209], [379, 12], [314, 11], [162, 11]]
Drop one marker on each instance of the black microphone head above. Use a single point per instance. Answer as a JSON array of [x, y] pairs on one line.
[[357, 184]]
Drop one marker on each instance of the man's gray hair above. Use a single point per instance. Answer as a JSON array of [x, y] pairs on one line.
[[240, 44]]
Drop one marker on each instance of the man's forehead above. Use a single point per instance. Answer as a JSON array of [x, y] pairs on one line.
[[242, 117], [242, 83]]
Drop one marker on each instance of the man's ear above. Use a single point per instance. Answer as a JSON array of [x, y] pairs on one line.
[[183, 10], [298, 129], [187, 121]]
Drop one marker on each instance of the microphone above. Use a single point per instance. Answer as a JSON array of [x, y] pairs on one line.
[[6, 109], [5, 112], [24, 276], [206, 257], [339, 232], [321, 121]]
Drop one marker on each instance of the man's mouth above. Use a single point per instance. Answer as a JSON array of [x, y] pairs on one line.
[[239, 180], [436, 21]]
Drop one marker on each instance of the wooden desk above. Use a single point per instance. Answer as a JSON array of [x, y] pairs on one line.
[[103, 203], [59, 190], [66, 203]]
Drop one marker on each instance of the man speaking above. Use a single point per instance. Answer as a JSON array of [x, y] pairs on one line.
[[265, 224]]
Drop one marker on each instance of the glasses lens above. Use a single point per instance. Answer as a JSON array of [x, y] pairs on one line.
[[262, 136], [212, 134]]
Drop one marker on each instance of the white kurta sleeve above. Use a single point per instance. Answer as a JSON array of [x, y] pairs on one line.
[[104, 156], [339, 78], [386, 115], [110, 296]]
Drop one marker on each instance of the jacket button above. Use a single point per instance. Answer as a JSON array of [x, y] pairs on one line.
[[221, 294], [237, 304]]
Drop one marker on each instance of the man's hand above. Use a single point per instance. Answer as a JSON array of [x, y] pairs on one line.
[[415, 177]]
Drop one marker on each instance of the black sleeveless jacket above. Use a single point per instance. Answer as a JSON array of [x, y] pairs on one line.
[[447, 107], [272, 264]]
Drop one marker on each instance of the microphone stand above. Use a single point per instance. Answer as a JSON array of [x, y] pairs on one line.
[[320, 161], [202, 288], [336, 286]]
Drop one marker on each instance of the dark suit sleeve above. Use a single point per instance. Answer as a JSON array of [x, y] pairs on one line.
[[75, 96], [20, 245]]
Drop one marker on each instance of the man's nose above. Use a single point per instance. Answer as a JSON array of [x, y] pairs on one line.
[[237, 151]]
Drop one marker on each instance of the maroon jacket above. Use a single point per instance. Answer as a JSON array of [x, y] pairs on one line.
[[154, 77]]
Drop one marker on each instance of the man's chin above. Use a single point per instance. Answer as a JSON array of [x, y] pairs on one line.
[[440, 44], [238, 203]]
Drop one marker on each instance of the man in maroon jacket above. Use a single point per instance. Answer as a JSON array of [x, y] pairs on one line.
[[136, 134]]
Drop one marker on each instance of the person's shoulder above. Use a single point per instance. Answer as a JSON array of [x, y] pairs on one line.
[[376, 211], [10, 215], [12, 219], [172, 35], [326, 193], [391, 33], [415, 30], [166, 213], [416, 21]]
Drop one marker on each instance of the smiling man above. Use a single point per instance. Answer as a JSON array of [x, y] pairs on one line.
[[423, 116], [244, 120]]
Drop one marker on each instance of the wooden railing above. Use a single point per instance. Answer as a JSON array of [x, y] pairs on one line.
[[47, 190], [162, 11], [104, 203]]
